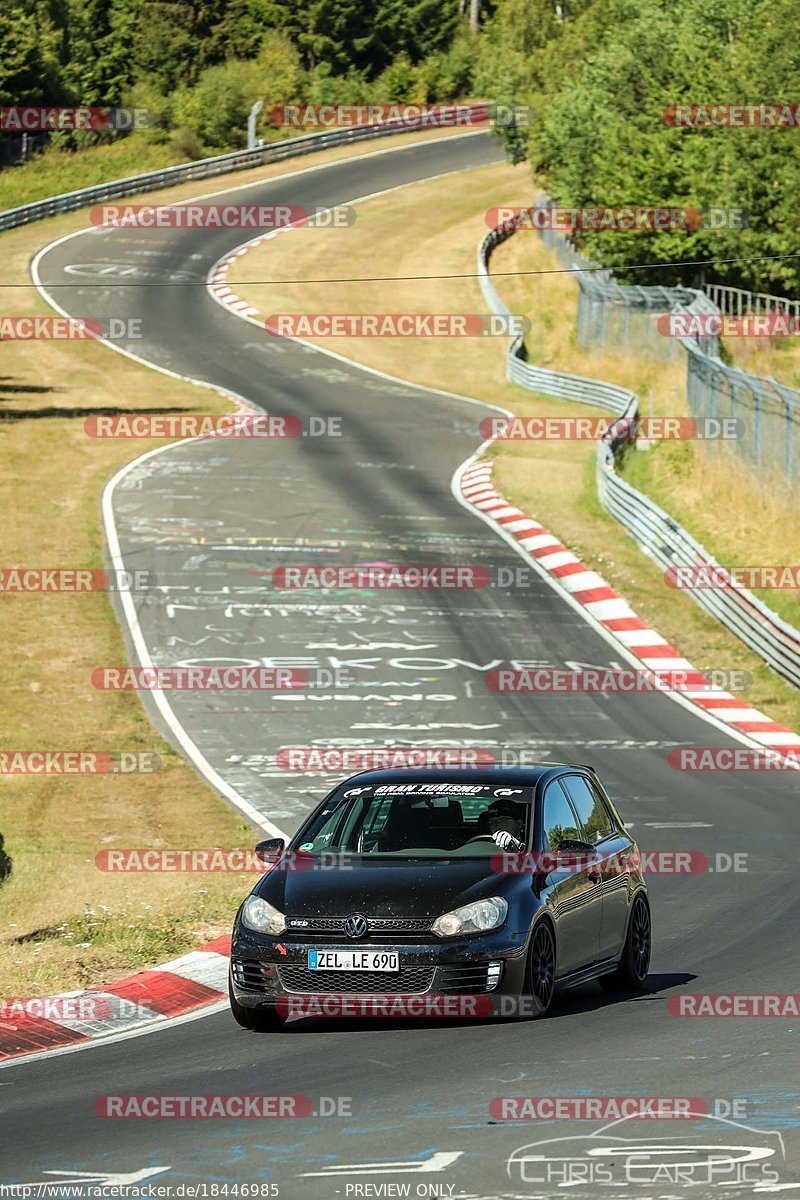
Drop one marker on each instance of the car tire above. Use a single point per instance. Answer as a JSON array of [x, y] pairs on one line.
[[262, 1020], [540, 969], [632, 968]]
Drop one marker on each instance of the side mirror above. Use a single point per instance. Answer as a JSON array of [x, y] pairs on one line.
[[269, 850]]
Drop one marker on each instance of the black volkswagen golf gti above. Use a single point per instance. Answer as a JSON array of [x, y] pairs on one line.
[[438, 882]]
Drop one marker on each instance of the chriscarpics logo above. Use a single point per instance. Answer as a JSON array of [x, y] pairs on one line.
[[629, 1153]]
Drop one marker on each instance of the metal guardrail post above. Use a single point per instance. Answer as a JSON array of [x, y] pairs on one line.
[[757, 408], [252, 117]]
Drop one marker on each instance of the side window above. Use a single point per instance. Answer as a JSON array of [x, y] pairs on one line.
[[592, 813], [558, 818]]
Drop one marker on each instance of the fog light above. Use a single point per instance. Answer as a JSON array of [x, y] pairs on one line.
[[237, 970], [493, 975]]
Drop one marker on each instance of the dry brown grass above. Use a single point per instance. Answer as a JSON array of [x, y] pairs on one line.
[[744, 520], [776, 356], [53, 827], [552, 480]]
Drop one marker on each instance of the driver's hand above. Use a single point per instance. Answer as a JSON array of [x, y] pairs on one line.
[[505, 839]]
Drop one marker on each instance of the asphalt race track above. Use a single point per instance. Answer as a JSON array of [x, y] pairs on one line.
[[206, 517]]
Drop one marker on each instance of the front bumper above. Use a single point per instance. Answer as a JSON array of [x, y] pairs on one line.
[[492, 964]]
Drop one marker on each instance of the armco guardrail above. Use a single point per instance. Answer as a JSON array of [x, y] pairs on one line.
[[539, 379], [239, 160], [662, 538]]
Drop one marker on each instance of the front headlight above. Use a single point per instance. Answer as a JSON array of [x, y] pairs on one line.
[[477, 917], [258, 914]]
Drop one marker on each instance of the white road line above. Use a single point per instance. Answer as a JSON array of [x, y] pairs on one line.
[[678, 824]]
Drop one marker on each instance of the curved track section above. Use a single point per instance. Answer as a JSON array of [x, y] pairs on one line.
[[207, 518]]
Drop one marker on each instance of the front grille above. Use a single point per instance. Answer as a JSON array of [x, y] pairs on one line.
[[400, 924], [408, 980], [411, 929], [465, 977]]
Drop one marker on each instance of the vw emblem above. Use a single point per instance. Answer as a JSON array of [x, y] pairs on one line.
[[356, 926]]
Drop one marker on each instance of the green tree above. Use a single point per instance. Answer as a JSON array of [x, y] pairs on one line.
[[216, 108], [30, 49], [100, 36], [600, 137]]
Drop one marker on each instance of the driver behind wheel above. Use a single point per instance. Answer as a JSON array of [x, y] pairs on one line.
[[504, 821]]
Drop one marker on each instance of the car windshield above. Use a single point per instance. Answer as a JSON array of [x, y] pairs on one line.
[[413, 820]]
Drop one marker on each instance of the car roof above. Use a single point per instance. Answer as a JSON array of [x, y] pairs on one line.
[[527, 776]]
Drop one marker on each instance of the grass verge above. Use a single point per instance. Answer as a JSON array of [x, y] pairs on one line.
[[553, 480], [57, 171], [777, 356], [63, 922]]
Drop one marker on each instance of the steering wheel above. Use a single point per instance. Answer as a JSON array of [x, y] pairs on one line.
[[478, 837]]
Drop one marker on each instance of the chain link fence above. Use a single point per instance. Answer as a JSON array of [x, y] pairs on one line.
[[613, 315], [659, 536]]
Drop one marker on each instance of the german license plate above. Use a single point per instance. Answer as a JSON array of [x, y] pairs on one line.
[[353, 960]]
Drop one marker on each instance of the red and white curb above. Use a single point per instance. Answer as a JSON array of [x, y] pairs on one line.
[[140, 1000], [616, 616], [218, 280], [218, 283]]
